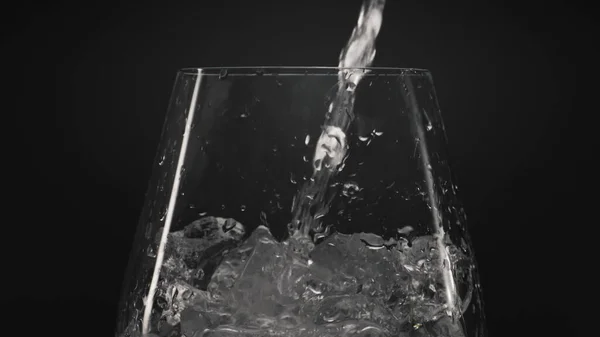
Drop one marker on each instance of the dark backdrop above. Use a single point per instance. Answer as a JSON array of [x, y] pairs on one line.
[[89, 83]]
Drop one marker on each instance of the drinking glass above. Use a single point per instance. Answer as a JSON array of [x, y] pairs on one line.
[[241, 234]]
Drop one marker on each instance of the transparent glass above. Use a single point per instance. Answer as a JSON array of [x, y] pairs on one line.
[[389, 253]]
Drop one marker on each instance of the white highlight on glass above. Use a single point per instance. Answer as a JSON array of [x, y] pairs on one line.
[[172, 200]]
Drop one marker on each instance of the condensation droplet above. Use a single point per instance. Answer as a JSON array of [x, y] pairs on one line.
[[223, 74], [150, 251], [162, 214], [148, 233], [350, 188]]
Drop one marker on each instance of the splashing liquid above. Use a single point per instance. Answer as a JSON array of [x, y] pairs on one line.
[[332, 146]]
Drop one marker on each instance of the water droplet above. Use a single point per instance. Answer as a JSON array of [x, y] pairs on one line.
[[429, 127], [260, 71], [292, 180], [263, 218], [199, 274], [377, 133], [274, 149], [162, 160], [148, 233], [278, 83], [150, 251], [307, 139], [350, 189], [363, 139], [162, 214], [202, 213], [405, 230], [223, 74], [222, 207], [321, 213], [305, 159], [243, 208]]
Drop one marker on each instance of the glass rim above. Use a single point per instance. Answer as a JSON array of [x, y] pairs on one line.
[[300, 70]]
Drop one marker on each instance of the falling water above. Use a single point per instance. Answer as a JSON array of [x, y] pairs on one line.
[[332, 146]]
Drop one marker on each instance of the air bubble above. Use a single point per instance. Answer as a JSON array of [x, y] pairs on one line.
[[307, 139], [243, 208]]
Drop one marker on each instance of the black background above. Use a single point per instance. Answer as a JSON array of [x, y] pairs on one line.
[[89, 83]]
